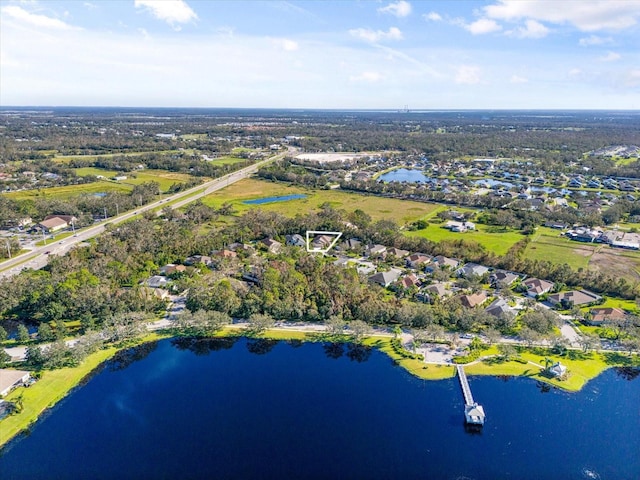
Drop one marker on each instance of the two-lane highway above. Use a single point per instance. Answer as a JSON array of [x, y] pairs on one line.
[[39, 256]]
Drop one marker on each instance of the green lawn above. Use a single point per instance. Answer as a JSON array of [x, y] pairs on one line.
[[52, 387], [69, 190], [163, 177], [495, 241], [86, 171], [379, 208], [228, 160], [547, 244], [68, 158]]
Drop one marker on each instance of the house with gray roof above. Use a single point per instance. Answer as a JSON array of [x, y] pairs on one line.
[[472, 269], [498, 308], [385, 278]]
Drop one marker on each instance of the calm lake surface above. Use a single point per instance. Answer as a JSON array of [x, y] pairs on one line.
[[254, 409], [409, 175]]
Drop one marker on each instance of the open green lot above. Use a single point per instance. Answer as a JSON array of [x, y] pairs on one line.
[[69, 190], [496, 241], [548, 244], [68, 158], [163, 177], [48, 390], [379, 208], [227, 160]]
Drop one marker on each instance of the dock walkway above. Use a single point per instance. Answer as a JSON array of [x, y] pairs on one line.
[[473, 413]]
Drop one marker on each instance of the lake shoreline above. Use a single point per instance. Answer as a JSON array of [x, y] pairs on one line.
[[57, 384]]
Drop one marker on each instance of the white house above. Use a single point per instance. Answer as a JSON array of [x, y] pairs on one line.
[[9, 379]]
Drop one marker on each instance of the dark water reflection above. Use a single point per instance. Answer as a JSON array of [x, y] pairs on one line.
[[238, 408]]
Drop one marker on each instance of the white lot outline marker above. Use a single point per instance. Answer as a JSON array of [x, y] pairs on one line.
[[311, 234]]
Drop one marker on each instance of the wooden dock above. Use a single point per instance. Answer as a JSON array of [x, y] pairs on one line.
[[473, 413]]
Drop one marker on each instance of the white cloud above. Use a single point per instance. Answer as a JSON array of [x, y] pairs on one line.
[[531, 29], [482, 26], [375, 36], [171, 11], [368, 77], [285, 44], [467, 75], [632, 78], [575, 72], [594, 40], [518, 79], [588, 16], [610, 57], [399, 9], [40, 21], [433, 16]]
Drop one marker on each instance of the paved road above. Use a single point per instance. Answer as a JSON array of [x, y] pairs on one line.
[[39, 256]]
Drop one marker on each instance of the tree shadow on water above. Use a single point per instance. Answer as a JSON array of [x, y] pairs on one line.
[[126, 357], [628, 373], [358, 353], [204, 346], [333, 350], [261, 346]]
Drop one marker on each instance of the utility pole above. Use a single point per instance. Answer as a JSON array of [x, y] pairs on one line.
[[117, 211], [105, 213], [44, 239], [9, 248]]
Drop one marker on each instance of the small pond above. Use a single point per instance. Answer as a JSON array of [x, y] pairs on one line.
[[284, 198]]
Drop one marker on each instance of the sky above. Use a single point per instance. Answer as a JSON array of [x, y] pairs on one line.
[[366, 54]]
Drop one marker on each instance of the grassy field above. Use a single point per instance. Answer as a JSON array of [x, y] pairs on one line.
[[163, 177], [227, 160], [68, 158], [69, 190], [494, 241], [51, 388], [379, 208], [547, 244]]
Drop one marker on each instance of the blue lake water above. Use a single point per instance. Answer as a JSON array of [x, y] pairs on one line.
[[254, 409], [409, 175], [284, 198]]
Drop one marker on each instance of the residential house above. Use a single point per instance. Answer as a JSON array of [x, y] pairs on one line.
[[322, 242], [417, 260], [197, 259], [10, 379], [558, 370], [352, 244], [385, 278], [536, 287], [226, 254], [455, 226], [157, 281], [296, 240], [500, 277], [172, 268], [598, 316], [438, 289], [409, 281], [377, 251], [398, 253], [272, 245], [574, 298], [473, 300], [498, 308], [471, 270], [446, 262]]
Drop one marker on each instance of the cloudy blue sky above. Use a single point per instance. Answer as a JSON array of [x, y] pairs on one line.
[[322, 54]]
